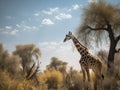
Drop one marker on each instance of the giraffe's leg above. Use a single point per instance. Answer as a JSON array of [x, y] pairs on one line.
[[98, 78], [95, 83], [88, 74], [84, 77], [100, 81]]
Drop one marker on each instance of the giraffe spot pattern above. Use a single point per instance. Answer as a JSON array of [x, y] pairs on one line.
[[87, 60]]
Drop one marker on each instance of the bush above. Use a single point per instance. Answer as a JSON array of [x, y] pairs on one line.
[[53, 79]]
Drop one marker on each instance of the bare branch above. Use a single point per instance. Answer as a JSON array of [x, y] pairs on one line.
[[30, 71], [96, 28], [36, 70]]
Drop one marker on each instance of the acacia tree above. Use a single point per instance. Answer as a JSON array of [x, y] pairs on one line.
[[100, 20], [9, 62], [57, 64], [28, 54]]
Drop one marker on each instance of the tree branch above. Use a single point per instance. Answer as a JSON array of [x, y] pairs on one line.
[[117, 51], [117, 38], [30, 71], [34, 73], [96, 28]]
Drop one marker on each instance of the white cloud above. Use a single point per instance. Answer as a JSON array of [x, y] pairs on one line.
[[75, 7], [54, 9], [47, 21], [36, 14], [28, 28], [47, 12], [62, 16], [21, 27], [25, 26], [92, 1], [18, 25], [9, 30], [8, 27], [51, 11]]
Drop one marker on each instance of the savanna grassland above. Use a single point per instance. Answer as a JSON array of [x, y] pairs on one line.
[[20, 70], [100, 25]]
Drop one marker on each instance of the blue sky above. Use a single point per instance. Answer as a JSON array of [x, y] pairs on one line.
[[38, 18], [44, 23]]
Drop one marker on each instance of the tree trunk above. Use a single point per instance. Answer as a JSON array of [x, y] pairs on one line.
[[111, 51], [111, 59]]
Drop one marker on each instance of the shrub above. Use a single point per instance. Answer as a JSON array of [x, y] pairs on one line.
[[53, 79]]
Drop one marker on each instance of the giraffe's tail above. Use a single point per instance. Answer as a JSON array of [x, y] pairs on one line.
[[102, 76]]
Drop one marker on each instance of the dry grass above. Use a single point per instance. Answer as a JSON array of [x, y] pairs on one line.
[[52, 79]]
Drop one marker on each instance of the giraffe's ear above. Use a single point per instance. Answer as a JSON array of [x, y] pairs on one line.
[[70, 33]]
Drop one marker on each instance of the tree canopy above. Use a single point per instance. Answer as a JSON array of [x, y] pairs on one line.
[[98, 17], [28, 53], [100, 22]]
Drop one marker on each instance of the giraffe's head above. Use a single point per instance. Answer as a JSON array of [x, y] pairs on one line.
[[68, 36]]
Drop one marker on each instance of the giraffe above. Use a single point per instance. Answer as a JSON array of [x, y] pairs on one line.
[[87, 61]]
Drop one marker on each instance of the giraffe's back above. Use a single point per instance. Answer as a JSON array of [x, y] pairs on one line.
[[91, 62]]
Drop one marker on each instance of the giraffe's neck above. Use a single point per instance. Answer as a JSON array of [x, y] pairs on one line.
[[81, 49]]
